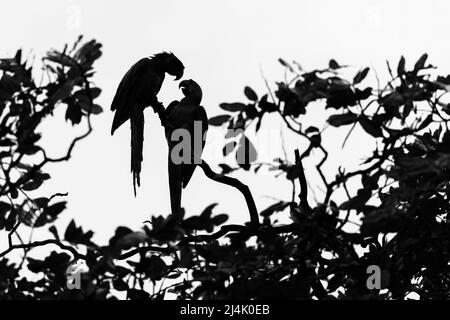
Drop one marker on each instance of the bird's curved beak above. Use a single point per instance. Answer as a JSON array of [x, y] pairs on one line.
[[183, 84], [180, 75]]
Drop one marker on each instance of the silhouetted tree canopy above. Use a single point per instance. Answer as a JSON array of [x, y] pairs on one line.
[[402, 198]]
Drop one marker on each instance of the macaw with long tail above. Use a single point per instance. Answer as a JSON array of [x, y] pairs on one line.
[[138, 90], [187, 119]]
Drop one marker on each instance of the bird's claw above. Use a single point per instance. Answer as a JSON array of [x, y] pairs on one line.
[[158, 107]]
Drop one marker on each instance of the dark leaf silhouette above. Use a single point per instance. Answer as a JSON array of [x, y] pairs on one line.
[[333, 64], [401, 66], [338, 120], [233, 107], [250, 94], [420, 64], [360, 76], [371, 127], [218, 120]]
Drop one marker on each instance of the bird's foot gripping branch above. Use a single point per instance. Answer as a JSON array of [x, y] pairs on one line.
[[221, 178]]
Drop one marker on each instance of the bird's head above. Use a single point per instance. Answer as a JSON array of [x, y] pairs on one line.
[[191, 89], [171, 64]]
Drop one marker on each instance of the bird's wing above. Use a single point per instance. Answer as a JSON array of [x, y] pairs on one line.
[[188, 169], [167, 113], [171, 106], [128, 82], [203, 117], [128, 93], [174, 170]]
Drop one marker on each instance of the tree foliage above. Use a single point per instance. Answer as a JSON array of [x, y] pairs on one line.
[[401, 202]]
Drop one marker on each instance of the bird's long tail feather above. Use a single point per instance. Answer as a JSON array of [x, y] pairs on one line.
[[175, 186], [137, 141]]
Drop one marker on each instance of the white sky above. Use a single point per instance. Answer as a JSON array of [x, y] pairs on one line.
[[222, 45]]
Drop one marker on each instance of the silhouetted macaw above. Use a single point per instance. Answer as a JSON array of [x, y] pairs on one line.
[[138, 90], [189, 115]]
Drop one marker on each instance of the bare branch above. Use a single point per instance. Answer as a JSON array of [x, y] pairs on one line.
[[254, 216], [35, 244], [303, 184]]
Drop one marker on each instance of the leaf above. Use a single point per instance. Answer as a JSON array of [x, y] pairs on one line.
[[219, 120], [363, 195], [276, 207], [95, 92], [426, 122], [94, 109], [154, 267], [4, 208], [120, 285], [228, 148], [73, 113], [50, 213], [232, 107], [225, 168], [250, 94], [246, 153], [267, 106], [219, 219], [6, 143], [363, 94], [311, 130], [420, 64], [340, 94], [136, 294], [333, 64], [285, 64], [370, 127], [132, 239], [251, 112], [401, 66], [55, 209], [186, 256], [361, 75], [393, 100], [55, 263], [18, 56], [54, 232], [446, 108], [32, 185], [316, 139], [206, 213], [338, 120], [63, 91], [37, 179], [76, 235], [336, 281]]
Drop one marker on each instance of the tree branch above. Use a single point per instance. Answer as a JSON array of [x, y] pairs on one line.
[[31, 245], [145, 249], [303, 196], [254, 216], [222, 232]]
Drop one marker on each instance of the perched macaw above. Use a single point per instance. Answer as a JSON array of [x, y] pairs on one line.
[[138, 90], [186, 114]]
